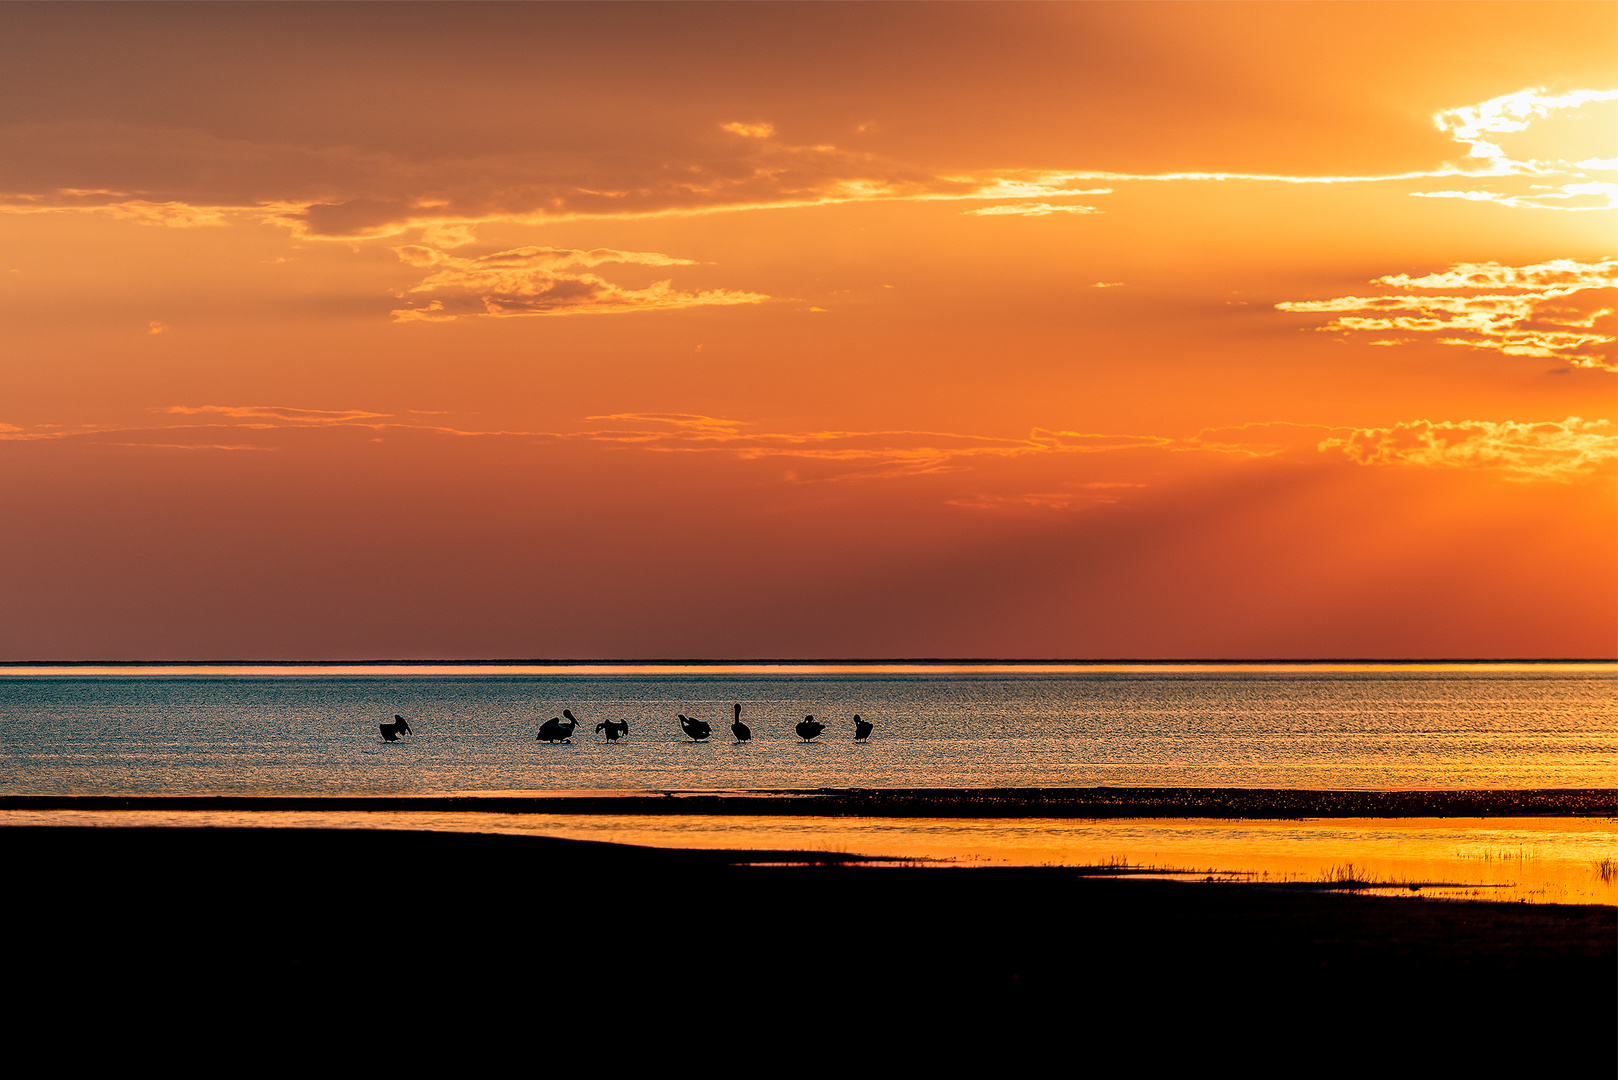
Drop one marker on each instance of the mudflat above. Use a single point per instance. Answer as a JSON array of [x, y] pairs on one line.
[[787, 953]]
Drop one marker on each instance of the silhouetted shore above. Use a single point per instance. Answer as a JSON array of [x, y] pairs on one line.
[[1100, 802], [495, 936]]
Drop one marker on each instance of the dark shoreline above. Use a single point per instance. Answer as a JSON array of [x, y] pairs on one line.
[[672, 953], [1101, 802]]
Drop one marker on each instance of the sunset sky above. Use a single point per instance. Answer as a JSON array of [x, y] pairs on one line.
[[738, 331]]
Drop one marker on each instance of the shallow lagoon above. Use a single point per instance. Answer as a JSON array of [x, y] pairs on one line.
[[314, 731], [296, 730]]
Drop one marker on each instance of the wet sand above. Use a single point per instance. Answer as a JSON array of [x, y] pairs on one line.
[[642, 955], [1100, 802]]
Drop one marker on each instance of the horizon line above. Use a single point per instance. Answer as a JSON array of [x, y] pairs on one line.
[[638, 661]]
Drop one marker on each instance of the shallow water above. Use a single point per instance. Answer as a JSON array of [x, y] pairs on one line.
[[1533, 860], [298, 730]]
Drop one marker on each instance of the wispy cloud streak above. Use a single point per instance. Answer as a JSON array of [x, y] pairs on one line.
[[1557, 450], [342, 193]]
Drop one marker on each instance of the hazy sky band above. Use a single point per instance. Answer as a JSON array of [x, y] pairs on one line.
[[674, 330], [796, 669]]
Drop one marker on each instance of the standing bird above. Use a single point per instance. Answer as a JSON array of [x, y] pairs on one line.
[[390, 732], [810, 727], [743, 732], [613, 729], [862, 728], [697, 729], [554, 730]]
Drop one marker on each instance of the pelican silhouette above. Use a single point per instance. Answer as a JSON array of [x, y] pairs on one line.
[[697, 729], [810, 728], [862, 728], [743, 732], [390, 732], [555, 730], [613, 729]]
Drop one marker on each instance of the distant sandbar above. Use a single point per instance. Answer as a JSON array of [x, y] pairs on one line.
[[1101, 802]]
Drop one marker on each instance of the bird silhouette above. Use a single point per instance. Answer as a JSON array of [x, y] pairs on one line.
[[862, 728], [743, 732], [390, 732], [613, 729], [697, 729], [810, 727], [556, 730]]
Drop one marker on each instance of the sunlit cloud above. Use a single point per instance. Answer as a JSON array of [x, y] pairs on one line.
[[543, 281], [1556, 450], [1595, 196], [1560, 310], [1475, 125], [749, 131], [1031, 210], [278, 413], [1555, 274], [1479, 127]]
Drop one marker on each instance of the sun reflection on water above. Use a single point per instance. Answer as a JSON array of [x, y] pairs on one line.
[[1532, 860]]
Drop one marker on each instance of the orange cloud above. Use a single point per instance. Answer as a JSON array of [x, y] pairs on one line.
[[1548, 450], [277, 412], [116, 204], [1556, 310], [749, 131], [543, 281]]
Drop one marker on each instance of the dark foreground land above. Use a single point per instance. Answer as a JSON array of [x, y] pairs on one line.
[[311, 949]]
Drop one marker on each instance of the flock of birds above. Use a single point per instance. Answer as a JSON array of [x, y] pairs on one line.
[[557, 729], [560, 728]]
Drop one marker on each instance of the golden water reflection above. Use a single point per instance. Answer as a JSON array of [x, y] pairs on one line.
[[1534, 860]]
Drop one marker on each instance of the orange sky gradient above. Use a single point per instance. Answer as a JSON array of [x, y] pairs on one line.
[[740, 331]]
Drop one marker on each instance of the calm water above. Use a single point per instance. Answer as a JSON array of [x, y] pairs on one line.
[[314, 731]]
